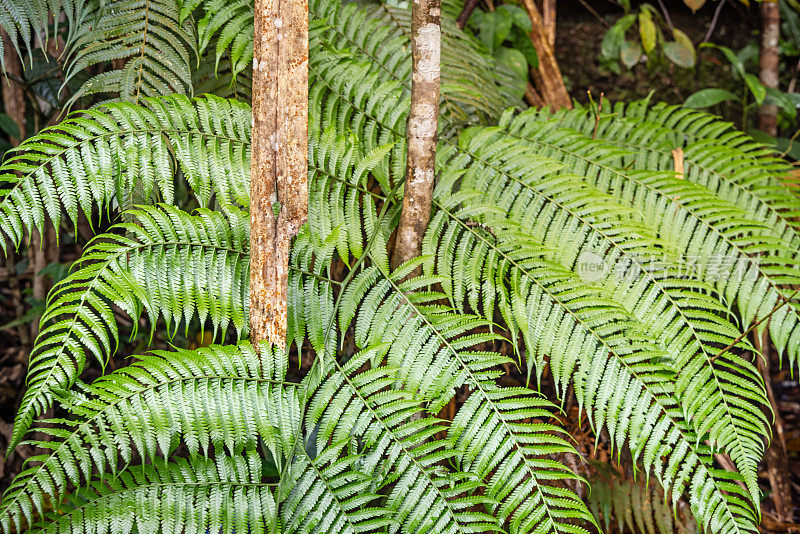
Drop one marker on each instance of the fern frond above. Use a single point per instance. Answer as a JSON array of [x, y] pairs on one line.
[[474, 88], [561, 212], [430, 347], [709, 146], [147, 35], [741, 256], [638, 507], [620, 375], [24, 21], [217, 78], [212, 399], [135, 272], [102, 158], [197, 496]]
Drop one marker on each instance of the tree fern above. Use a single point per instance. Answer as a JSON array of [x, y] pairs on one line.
[[356, 444]]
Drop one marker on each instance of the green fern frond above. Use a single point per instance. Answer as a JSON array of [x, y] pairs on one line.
[[217, 78], [24, 21], [638, 507], [212, 399], [474, 88], [620, 375], [748, 264], [197, 496], [563, 213], [709, 145], [147, 36], [99, 158], [133, 271]]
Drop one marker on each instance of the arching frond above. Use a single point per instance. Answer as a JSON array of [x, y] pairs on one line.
[[224, 494], [121, 154], [211, 399], [562, 213], [739, 254], [617, 368], [133, 270], [146, 36], [498, 444]]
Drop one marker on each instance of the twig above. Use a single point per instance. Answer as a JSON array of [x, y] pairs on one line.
[[465, 14], [714, 21], [594, 12], [596, 112], [666, 14], [754, 325]]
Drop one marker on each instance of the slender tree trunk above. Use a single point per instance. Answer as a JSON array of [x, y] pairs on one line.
[[422, 129], [547, 76], [279, 158], [768, 63], [463, 17]]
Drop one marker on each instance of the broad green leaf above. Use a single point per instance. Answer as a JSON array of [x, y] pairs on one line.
[[709, 97], [631, 53], [756, 87], [8, 125], [647, 31], [681, 51], [514, 59], [615, 36]]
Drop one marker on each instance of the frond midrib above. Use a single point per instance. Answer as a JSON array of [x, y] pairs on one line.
[[475, 382], [675, 202], [645, 385], [87, 291]]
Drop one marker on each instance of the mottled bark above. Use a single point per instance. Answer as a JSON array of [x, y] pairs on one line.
[[768, 63], [549, 21], [532, 97], [13, 93], [422, 129], [279, 158], [547, 77]]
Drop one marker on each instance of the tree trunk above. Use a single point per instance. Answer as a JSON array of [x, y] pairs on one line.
[[768, 63], [547, 76], [422, 129], [549, 21], [279, 158]]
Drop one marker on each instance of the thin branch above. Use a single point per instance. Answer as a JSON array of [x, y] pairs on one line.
[[784, 301], [666, 14], [594, 12], [465, 14], [714, 21]]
